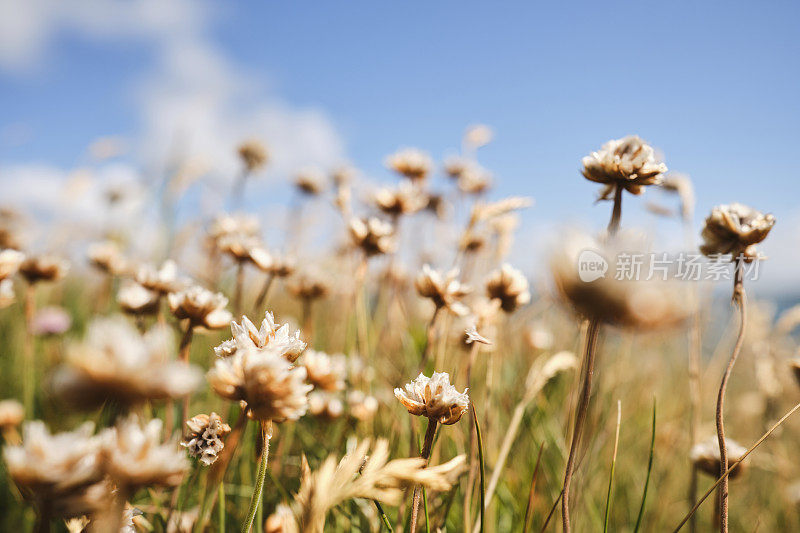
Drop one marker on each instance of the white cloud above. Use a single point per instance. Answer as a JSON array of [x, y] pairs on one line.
[[195, 102]]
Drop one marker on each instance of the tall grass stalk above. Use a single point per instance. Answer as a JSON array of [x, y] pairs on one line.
[[532, 492], [258, 489], [610, 492], [649, 471]]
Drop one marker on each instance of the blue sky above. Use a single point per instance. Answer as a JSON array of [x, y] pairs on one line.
[[713, 85]]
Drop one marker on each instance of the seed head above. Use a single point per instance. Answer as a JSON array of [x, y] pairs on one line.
[[628, 162], [735, 229], [405, 199], [270, 386], [705, 456], [278, 338], [107, 257], [311, 181], [434, 397], [412, 163], [373, 236], [509, 286], [326, 372], [201, 306], [163, 281], [254, 155], [43, 268], [10, 261], [134, 299], [444, 290], [204, 437]]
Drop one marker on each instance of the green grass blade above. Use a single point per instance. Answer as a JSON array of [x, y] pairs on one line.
[[532, 491], [610, 493], [649, 470], [482, 466]]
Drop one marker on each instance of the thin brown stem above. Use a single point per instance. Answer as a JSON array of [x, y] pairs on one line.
[[425, 454], [580, 416], [261, 299], [473, 450], [739, 297], [616, 213]]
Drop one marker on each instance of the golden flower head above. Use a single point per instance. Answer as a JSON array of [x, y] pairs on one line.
[[204, 437], [735, 229], [271, 387], [404, 199], [509, 286], [55, 468], [135, 457], [372, 235], [412, 163], [254, 155], [308, 286], [444, 290], [628, 162], [636, 303], [134, 299], [115, 362], [361, 406], [107, 257], [705, 456], [311, 181], [43, 268], [434, 397], [326, 372], [12, 413], [10, 261], [163, 280], [201, 306], [278, 338], [325, 405]]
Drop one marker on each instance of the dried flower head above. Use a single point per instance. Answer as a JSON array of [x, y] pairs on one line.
[[51, 320], [444, 290], [201, 306], [474, 179], [509, 286], [735, 229], [471, 335], [361, 406], [278, 338], [10, 261], [107, 257], [310, 181], [245, 248], [163, 281], [43, 268], [270, 386], [705, 456], [135, 457], [134, 299], [254, 155], [115, 362], [629, 163], [636, 303], [454, 166], [55, 469], [204, 438], [434, 397], [308, 286], [404, 199], [412, 163], [372, 235], [326, 372], [325, 405], [227, 224]]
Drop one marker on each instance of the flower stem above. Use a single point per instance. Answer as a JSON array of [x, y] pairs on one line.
[[262, 296], [266, 432], [739, 297], [428, 340], [580, 417], [237, 295], [29, 367], [183, 354], [425, 454], [616, 213]]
